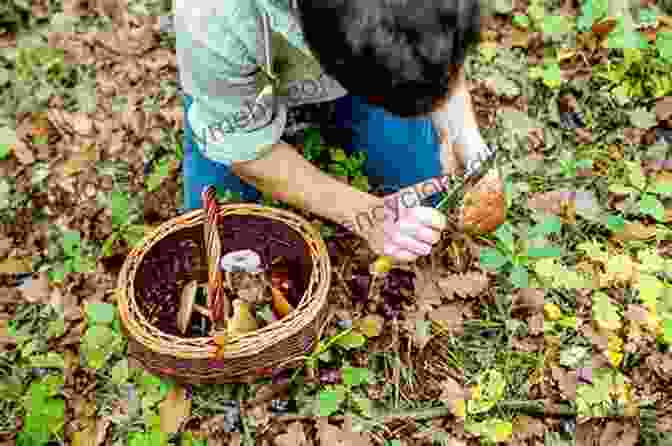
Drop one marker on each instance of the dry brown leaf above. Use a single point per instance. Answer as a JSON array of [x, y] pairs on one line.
[[449, 317], [6, 244], [525, 427], [411, 323], [566, 381], [635, 231], [520, 38], [452, 391], [528, 299], [175, 409], [331, 435], [294, 436], [611, 433], [427, 291], [15, 265], [535, 323], [36, 290], [81, 123], [470, 284], [65, 304], [664, 108]]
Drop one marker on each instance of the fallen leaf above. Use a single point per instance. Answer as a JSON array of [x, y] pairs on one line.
[[23, 153], [294, 436], [535, 324], [464, 285], [175, 409], [426, 290], [635, 231], [370, 326], [448, 317], [15, 265], [520, 38], [6, 244], [36, 290], [78, 161], [664, 108], [65, 304], [525, 427], [528, 299], [82, 124]]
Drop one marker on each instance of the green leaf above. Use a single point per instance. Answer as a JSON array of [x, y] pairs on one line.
[[642, 118], [552, 75], [522, 21], [544, 251], [120, 372], [56, 328], [636, 174], [364, 405], [505, 234], [5, 151], [615, 223], [550, 225], [120, 205], [519, 276], [647, 16], [664, 45], [650, 205], [351, 340], [624, 35], [338, 155], [361, 182], [329, 401], [109, 243], [98, 336], [492, 259], [667, 331], [48, 360], [338, 170], [100, 313], [573, 357], [71, 243], [662, 188], [160, 172], [353, 376], [96, 358]]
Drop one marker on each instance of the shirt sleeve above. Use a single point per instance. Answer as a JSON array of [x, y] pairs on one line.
[[235, 114]]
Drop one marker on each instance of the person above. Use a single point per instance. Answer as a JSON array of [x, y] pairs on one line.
[[392, 73]]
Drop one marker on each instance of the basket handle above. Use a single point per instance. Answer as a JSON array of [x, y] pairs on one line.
[[218, 302]]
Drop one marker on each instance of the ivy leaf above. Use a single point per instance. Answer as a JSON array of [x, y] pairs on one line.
[[650, 205], [100, 313]]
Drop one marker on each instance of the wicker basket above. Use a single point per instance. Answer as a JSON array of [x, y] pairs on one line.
[[276, 346]]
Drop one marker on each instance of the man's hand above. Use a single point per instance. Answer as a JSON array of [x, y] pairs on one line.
[[406, 233]]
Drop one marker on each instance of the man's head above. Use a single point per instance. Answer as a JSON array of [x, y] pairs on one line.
[[403, 55]]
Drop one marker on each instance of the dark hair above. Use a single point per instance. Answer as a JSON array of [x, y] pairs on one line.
[[402, 55]]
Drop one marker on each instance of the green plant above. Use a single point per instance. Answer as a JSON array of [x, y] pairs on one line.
[[160, 171], [103, 336], [45, 412], [487, 392], [74, 260], [514, 257], [569, 167], [592, 11], [641, 192], [595, 400], [351, 167], [122, 226], [331, 398]]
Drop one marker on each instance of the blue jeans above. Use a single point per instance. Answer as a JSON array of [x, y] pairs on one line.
[[400, 152]]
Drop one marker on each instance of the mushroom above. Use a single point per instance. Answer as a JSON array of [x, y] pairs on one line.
[[484, 206], [242, 274], [186, 305], [244, 261]]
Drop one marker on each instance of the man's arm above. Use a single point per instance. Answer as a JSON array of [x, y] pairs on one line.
[[285, 174]]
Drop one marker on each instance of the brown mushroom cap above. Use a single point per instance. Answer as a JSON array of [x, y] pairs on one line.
[[484, 206]]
